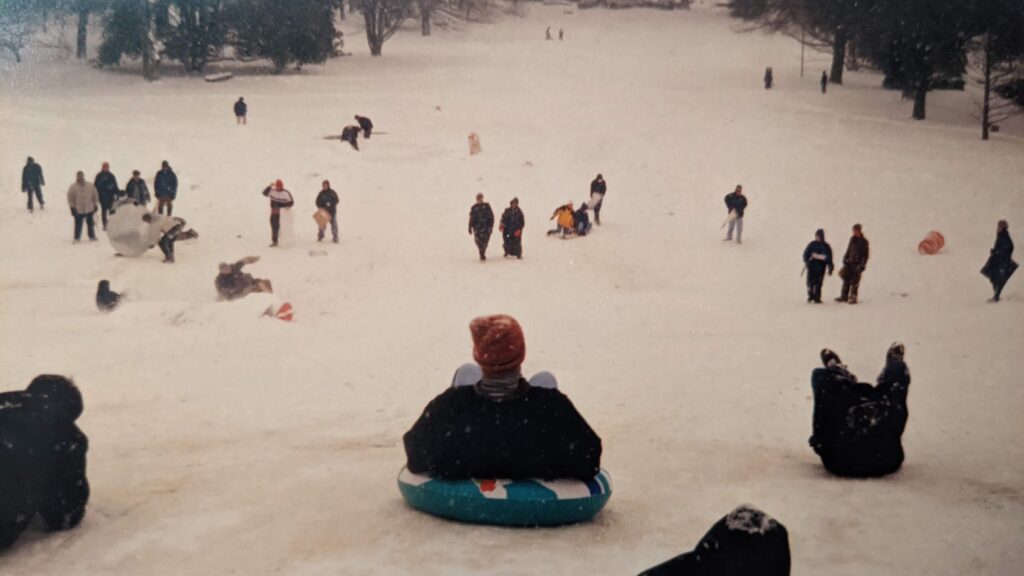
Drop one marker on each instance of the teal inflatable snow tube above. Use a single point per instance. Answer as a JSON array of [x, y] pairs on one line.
[[507, 502]]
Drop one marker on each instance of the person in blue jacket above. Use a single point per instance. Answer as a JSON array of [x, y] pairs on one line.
[[817, 260], [166, 187]]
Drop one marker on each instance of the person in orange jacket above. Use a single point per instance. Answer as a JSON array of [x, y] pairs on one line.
[[564, 220]]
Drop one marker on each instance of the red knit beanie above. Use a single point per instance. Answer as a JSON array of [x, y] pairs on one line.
[[498, 344]]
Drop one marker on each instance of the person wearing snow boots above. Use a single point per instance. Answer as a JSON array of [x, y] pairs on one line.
[[32, 182], [106, 185], [327, 200], [1000, 265], [817, 261], [84, 200], [854, 262], [857, 428], [481, 223], [279, 199], [511, 227], [166, 187], [501, 426], [598, 188]]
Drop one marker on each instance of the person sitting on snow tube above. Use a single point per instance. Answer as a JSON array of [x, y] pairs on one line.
[[857, 427], [746, 542], [42, 457], [501, 426]]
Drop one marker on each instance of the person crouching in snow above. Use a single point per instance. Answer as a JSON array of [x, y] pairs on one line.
[[857, 427], [350, 134], [366, 125], [564, 220], [501, 426], [280, 199], [582, 220], [232, 283]]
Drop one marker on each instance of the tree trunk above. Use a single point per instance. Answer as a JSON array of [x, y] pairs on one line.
[[373, 35], [838, 57], [920, 93], [341, 9], [83, 31], [424, 21], [985, 107]]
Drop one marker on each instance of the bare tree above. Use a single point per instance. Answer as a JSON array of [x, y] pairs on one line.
[[997, 71], [19, 21], [426, 10], [383, 18]]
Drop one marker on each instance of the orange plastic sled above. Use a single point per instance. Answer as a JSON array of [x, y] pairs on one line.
[[932, 243]]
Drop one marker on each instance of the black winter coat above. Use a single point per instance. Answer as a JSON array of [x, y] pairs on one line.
[[818, 257], [512, 220], [481, 219], [241, 108], [137, 191], [42, 457], [106, 186], [1000, 265], [598, 186], [857, 252], [736, 203], [328, 200], [857, 428], [462, 434], [365, 123], [745, 542], [32, 177], [166, 184]]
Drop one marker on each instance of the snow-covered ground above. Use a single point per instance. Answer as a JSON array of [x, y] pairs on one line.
[[227, 443]]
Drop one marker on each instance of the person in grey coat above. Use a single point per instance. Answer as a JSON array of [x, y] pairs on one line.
[[84, 200]]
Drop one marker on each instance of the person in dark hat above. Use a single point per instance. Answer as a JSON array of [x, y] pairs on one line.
[[1000, 265], [501, 426], [32, 182], [165, 185], [511, 227], [106, 299], [817, 260], [241, 111], [481, 224], [106, 186], [854, 262]]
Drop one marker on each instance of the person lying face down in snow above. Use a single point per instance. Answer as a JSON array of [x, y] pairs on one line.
[[746, 542], [857, 427], [232, 283], [42, 457], [500, 426]]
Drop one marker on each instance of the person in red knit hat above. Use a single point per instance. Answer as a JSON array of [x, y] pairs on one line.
[[280, 199], [500, 426]]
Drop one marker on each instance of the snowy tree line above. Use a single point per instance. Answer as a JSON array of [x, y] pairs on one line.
[[919, 45]]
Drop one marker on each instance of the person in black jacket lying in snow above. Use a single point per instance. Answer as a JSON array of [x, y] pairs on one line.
[[501, 427]]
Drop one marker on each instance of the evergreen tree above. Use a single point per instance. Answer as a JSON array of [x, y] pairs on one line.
[[128, 31], [192, 31], [298, 31]]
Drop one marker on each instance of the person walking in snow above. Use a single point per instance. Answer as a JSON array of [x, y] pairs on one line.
[[32, 182], [481, 223], [366, 125], [327, 200], [561, 34], [136, 190], [511, 227], [854, 262], [735, 205], [350, 134], [817, 260], [106, 185], [166, 186], [84, 200], [581, 220], [280, 199], [598, 188], [1000, 265], [241, 110], [824, 81], [768, 78], [564, 217]]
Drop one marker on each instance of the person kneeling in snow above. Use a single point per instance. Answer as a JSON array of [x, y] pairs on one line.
[[42, 457], [564, 218], [857, 427], [500, 426], [582, 220], [233, 284]]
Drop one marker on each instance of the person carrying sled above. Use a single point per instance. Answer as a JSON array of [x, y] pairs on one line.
[[854, 263], [598, 188], [366, 125], [232, 283], [327, 200], [817, 260], [32, 182], [1000, 265], [280, 199], [501, 426], [350, 134], [481, 223], [564, 217], [511, 227], [735, 205], [106, 185]]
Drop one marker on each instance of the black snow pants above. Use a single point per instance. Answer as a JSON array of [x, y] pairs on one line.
[[482, 239], [815, 278]]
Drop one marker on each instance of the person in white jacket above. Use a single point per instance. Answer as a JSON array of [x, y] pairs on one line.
[[84, 200]]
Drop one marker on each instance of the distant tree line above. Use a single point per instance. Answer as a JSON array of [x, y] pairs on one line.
[[919, 45]]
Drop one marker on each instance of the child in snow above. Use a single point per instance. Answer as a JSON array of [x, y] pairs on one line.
[[501, 426], [817, 260], [232, 283], [481, 223], [857, 427], [855, 261], [280, 199]]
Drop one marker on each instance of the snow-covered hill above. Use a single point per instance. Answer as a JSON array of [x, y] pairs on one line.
[[222, 442]]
